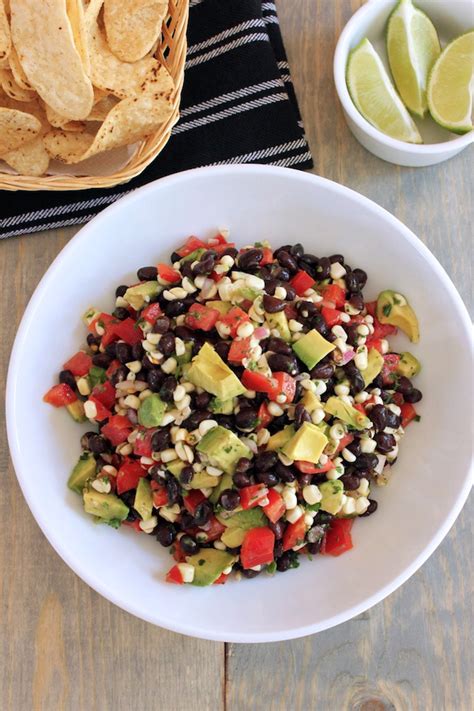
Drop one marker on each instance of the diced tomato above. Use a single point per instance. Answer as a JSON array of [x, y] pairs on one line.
[[174, 576], [178, 553], [338, 539], [129, 475], [79, 364], [159, 494], [275, 508], [331, 316], [257, 547], [201, 317], [133, 524], [267, 256], [375, 343], [129, 331], [168, 273], [104, 320], [397, 399], [371, 307], [251, 495], [217, 240], [192, 500], [221, 580], [142, 445], [310, 468], [390, 365], [264, 417], [219, 248], [258, 382], [294, 534], [285, 385], [117, 429], [105, 394], [334, 293], [102, 412], [347, 439], [382, 330], [234, 318], [239, 350], [60, 395], [151, 313], [408, 413], [301, 282], [115, 364], [191, 244], [213, 529]]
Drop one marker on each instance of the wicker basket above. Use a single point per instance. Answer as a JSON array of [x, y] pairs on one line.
[[172, 53]]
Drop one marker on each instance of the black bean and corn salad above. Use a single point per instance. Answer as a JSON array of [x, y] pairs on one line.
[[245, 403]]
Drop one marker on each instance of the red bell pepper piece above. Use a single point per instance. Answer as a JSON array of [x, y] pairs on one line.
[[408, 413], [174, 576], [258, 382], [104, 320], [201, 317], [234, 318], [375, 343], [382, 330], [159, 494], [239, 350], [285, 385], [347, 439], [151, 313], [129, 331], [168, 273], [294, 534], [117, 429], [115, 364], [338, 539], [331, 316], [301, 282], [60, 395], [192, 500], [191, 244], [102, 412], [310, 468], [142, 445], [267, 256], [221, 580], [257, 547], [133, 524], [79, 364], [129, 475], [213, 529], [334, 293], [219, 248], [218, 239], [371, 307], [105, 394], [250, 496], [264, 417], [275, 508]]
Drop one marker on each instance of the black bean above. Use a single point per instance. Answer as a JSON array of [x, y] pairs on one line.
[[155, 379], [137, 351], [301, 415], [352, 283], [404, 385], [241, 479], [278, 345], [67, 378], [246, 419], [351, 482], [248, 573], [111, 349], [413, 396], [286, 363], [310, 259], [123, 352], [120, 313], [205, 265], [167, 344], [282, 274], [147, 273], [85, 439], [284, 248], [323, 269], [120, 290], [357, 301], [273, 305], [93, 342], [322, 371], [119, 375], [162, 325], [165, 533], [357, 381], [202, 400], [155, 473], [222, 349], [98, 444], [195, 419], [371, 508], [385, 442], [101, 360], [287, 261], [172, 489], [168, 387], [231, 252], [265, 461], [278, 529], [306, 309], [189, 545], [322, 517], [277, 549], [361, 277], [286, 474], [352, 334], [229, 499], [314, 548], [270, 284], [175, 308], [305, 479], [243, 465], [392, 420], [203, 513], [378, 416], [250, 259], [318, 322], [290, 293], [186, 475], [366, 461], [284, 562], [297, 250], [354, 447], [225, 421], [161, 439]]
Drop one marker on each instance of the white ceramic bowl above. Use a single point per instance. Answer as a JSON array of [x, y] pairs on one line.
[[431, 479], [451, 18]]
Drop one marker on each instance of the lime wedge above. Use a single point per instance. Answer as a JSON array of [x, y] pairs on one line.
[[412, 48], [450, 85], [375, 97]]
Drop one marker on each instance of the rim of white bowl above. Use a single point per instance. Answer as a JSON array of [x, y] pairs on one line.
[[43, 520], [341, 55]]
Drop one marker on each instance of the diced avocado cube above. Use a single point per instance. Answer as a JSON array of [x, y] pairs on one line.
[[332, 493], [374, 366], [306, 445], [203, 480], [209, 371], [104, 506], [246, 520], [90, 315], [76, 410], [176, 466], [310, 401], [223, 482], [135, 295], [209, 564], [280, 322], [85, 469], [151, 411], [279, 439], [194, 256], [246, 293], [233, 537], [222, 407], [312, 348], [223, 448], [222, 306], [348, 414], [408, 365], [394, 309], [143, 503], [187, 355]]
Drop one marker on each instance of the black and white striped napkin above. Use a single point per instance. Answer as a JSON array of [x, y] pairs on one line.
[[238, 106]]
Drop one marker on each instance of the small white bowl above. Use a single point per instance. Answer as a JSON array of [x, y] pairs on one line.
[[451, 19]]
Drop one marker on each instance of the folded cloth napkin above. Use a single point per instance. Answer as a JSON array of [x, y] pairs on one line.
[[238, 106]]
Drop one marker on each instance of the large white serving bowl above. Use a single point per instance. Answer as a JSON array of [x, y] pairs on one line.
[[431, 479]]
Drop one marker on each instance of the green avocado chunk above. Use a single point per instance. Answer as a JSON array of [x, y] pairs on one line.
[[312, 348], [408, 365], [84, 470], [279, 321], [209, 564], [222, 407], [223, 448], [107, 507], [374, 366], [209, 371], [246, 520], [151, 411], [224, 482], [332, 493], [348, 414], [394, 309], [279, 439], [76, 410], [307, 444], [143, 499]]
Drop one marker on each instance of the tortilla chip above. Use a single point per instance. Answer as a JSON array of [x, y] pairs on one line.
[[5, 35], [123, 79], [16, 128], [75, 12], [131, 120], [12, 89], [44, 40], [32, 158], [102, 108], [17, 71], [132, 26]]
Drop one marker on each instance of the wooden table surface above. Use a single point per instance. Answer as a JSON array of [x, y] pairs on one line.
[[65, 647]]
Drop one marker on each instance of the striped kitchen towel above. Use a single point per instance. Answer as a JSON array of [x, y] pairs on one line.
[[238, 106]]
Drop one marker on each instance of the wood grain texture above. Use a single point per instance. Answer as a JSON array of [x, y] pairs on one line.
[[64, 647]]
